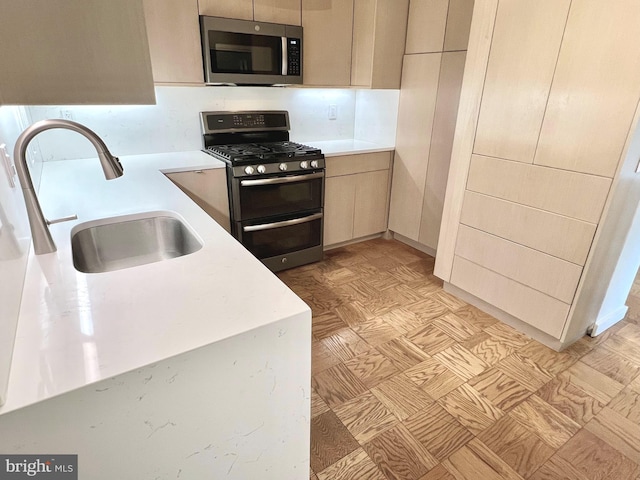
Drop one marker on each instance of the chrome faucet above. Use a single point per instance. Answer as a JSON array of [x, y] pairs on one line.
[[42, 241]]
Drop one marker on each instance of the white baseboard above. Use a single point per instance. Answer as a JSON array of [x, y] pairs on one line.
[[608, 320]]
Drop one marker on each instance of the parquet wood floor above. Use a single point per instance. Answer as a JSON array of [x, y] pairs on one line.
[[410, 383]]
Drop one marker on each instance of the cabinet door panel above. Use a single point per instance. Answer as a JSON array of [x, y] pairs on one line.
[[389, 40], [328, 27], [533, 307], [415, 122], [370, 211], [595, 89], [174, 58], [525, 46], [339, 198], [426, 26], [458, 25], [242, 9], [550, 275], [573, 194], [560, 236], [278, 11], [444, 126], [75, 53], [207, 188]]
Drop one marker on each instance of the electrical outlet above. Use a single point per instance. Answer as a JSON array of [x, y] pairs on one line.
[[333, 112], [66, 114]]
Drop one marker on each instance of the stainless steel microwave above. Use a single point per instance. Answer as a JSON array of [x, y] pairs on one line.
[[242, 52]]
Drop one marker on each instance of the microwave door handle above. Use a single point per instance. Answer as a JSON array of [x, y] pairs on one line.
[[285, 57], [286, 223], [277, 180]]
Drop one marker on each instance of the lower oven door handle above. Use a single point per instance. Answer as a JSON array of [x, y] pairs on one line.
[[286, 223], [274, 181]]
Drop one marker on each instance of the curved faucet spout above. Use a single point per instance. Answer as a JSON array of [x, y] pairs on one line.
[[42, 241]]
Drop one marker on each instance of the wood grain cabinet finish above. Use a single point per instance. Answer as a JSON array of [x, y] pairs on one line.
[[557, 235], [547, 274], [241, 9], [595, 89], [444, 125], [328, 31], [525, 46], [207, 188], [271, 11], [379, 30], [459, 18], [572, 194], [356, 196], [426, 26], [288, 12], [68, 53], [418, 94], [174, 58], [545, 313]]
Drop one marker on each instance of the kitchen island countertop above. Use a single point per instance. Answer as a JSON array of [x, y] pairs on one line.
[[77, 329]]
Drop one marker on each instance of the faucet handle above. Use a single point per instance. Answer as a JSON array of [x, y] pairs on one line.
[[63, 219]]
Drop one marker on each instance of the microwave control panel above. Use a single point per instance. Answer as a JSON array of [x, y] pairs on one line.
[[293, 55]]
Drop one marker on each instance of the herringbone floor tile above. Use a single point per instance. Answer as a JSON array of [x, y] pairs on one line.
[[411, 383]]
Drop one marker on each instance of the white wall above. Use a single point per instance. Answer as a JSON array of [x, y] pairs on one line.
[[174, 123], [14, 241]]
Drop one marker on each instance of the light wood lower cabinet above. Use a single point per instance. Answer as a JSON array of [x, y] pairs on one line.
[[207, 188], [356, 196]]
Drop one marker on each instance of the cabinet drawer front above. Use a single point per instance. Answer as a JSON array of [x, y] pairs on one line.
[[562, 237], [531, 306], [350, 164], [550, 275], [575, 195]]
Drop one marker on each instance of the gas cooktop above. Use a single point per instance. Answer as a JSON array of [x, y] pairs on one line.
[[270, 152]]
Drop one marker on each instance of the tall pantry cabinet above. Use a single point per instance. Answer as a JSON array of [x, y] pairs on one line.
[[548, 101], [434, 60]]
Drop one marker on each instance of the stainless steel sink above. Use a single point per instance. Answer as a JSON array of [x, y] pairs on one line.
[[125, 242]]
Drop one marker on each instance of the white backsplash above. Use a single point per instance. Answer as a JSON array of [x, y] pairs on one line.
[[14, 240], [174, 124]]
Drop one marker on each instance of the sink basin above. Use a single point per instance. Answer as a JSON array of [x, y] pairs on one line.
[[125, 242]]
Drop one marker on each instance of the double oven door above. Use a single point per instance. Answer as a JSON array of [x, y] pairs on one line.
[[279, 218]]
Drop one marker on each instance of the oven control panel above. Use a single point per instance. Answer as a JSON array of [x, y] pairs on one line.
[[278, 168], [221, 122]]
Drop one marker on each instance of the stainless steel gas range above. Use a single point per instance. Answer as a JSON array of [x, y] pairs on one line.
[[276, 187]]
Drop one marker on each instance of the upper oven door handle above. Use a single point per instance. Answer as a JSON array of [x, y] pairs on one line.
[[275, 181], [286, 223]]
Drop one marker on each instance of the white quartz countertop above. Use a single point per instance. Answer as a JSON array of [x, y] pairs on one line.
[[335, 148], [76, 329]]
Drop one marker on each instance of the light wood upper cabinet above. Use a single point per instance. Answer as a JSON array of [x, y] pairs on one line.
[[328, 27], [458, 25], [242, 9], [379, 30], [426, 26], [67, 53], [525, 46], [595, 89], [174, 40], [278, 11]]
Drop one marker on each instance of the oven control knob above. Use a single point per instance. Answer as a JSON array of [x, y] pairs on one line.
[[304, 164], [283, 167], [314, 163], [249, 170], [261, 169]]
